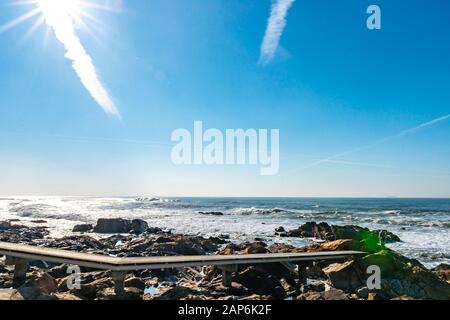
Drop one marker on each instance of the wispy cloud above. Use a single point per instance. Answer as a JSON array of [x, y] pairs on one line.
[[332, 159], [63, 27], [275, 28]]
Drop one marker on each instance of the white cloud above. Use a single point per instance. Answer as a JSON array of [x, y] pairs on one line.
[[275, 28], [62, 24]]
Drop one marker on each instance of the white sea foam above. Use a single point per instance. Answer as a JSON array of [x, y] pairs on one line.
[[424, 233]]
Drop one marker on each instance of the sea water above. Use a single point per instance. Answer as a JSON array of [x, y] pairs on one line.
[[422, 224]]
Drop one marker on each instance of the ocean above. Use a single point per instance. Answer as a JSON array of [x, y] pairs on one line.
[[422, 224]]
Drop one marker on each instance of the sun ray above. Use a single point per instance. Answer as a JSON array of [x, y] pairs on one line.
[[19, 20], [33, 28]]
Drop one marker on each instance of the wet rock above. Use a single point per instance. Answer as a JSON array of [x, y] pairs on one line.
[[177, 293], [139, 226], [5, 225], [280, 229], [115, 225], [83, 228], [80, 243], [21, 234], [212, 213], [39, 221], [324, 231]]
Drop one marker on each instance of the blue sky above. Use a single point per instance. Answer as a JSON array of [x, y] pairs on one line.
[[333, 86]]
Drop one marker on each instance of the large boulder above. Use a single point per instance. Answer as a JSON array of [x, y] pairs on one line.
[[115, 225], [399, 276], [139, 226], [82, 228], [371, 240]]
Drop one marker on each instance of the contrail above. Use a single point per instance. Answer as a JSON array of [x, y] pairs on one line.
[[386, 139], [60, 21], [275, 28]]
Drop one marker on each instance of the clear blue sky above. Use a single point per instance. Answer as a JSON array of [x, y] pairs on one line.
[[333, 86]]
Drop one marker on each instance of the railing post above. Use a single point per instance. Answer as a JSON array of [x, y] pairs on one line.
[[20, 270], [227, 274], [302, 273], [119, 282]]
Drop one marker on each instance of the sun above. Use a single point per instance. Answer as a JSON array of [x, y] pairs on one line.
[[80, 12], [53, 7]]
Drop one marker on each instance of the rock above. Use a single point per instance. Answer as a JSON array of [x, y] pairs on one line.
[[86, 291], [39, 221], [43, 281], [39, 264], [255, 248], [5, 225], [114, 225], [260, 282], [256, 297], [314, 285], [129, 294], [135, 282], [5, 294], [280, 229], [335, 294], [30, 293], [66, 296], [345, 276], [402, 276], [79, 243], [362, 293], [59, 271], [442, 271], [372, 239], [21, 234], [177, 292], [212, 213], [310, 295], [83, 228], [314, 272], [139, 226]]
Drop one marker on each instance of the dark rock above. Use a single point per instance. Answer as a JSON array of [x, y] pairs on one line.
[[5, 225], [59, 271], [135, 282], [212, 213], [373, 240], [139, 226], [21, 234], [260, 282], [83, 228], [280, 229], [115, 225]]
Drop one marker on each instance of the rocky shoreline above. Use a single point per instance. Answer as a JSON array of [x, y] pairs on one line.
[[401, 278]]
